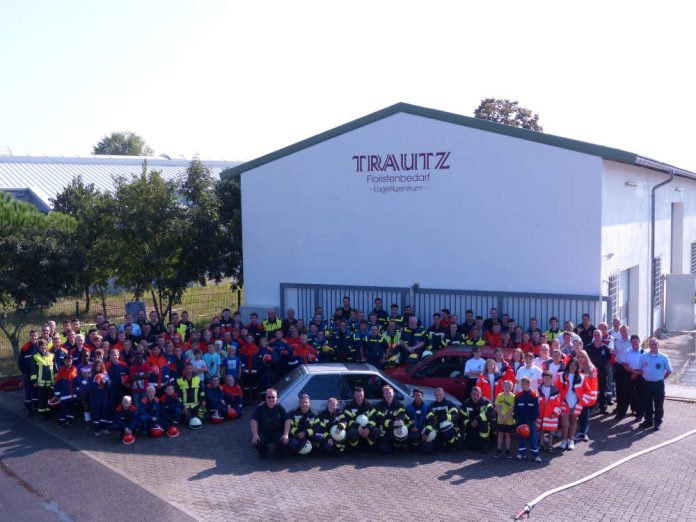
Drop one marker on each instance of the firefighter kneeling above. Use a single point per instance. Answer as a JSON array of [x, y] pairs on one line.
[[332, 427], [477, 414], [444, 417], [301, 426], [359, 420], [393, 421], [423, 433]]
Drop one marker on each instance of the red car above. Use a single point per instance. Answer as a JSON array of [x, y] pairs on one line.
[[444, 368]]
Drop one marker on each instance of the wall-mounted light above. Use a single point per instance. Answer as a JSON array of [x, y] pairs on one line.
[[608, 255], [632, 184], [679, 189]]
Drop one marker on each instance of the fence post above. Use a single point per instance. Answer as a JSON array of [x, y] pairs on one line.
[[77, 309]]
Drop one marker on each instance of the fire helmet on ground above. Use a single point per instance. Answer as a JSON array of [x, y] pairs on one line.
[[362, 420]]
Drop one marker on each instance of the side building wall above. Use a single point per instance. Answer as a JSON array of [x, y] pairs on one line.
[[626, 235]]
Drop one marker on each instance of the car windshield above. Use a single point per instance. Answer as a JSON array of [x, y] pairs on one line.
[[290, 378]]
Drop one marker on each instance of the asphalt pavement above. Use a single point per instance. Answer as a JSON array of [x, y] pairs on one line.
[[44, 479]]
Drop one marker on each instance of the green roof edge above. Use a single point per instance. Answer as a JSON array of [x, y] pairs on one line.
[[592, 149]]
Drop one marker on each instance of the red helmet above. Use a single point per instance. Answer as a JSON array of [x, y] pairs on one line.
[[312, 358], [216, 419], [523, 430], [54, 402], [156, 431], [232, 414], [173, 431], [267, 359], [128, 438], [100, 379]]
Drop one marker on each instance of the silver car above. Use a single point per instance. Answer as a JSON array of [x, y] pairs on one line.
[[325, 380]]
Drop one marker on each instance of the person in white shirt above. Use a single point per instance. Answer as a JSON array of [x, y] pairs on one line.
[[528, 370], [630, 388], [474, 367], [615, 332], [555, 364], [544, 356], [567, 343]]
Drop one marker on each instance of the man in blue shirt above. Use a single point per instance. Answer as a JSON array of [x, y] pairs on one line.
[[655, 368]]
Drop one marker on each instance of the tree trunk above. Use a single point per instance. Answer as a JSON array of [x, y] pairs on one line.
[[88, 300]]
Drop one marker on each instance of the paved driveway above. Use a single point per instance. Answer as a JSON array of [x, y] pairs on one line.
[[215, 475]]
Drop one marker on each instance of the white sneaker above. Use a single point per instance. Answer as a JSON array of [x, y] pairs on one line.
[[564, 444], [571, 445], [519, 456], [585, 438], [537, 458]]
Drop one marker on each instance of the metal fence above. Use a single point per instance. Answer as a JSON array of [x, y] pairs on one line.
[[304, 298]]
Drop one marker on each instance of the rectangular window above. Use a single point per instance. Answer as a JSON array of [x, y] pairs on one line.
[[613, 295], [658, 282]]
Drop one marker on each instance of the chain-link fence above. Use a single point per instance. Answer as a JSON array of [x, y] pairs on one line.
[[201, 302]]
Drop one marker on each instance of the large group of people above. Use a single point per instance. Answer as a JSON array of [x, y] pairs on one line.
[[143, 376]]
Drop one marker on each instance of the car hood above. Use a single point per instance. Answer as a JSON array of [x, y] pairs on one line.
[[429, 393]]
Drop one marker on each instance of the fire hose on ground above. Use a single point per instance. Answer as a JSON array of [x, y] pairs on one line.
[[530, 505]]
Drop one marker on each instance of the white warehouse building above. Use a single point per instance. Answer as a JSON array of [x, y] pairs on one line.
[[435, 210]]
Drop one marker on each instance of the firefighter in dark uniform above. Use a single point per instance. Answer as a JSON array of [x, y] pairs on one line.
[[360, 422], [444, 415], [332, 426], [303, 425], [477, 416], [356, 344], [374, 348], [437, 334], [341, 341], [393, 422], [414, 341]]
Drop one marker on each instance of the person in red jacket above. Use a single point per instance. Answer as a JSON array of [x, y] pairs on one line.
[[305, 352], [571, 386], [490, 381], [250, 372], [549, 411], [138, 378], [591, 376], [516, 363], [156, 358]]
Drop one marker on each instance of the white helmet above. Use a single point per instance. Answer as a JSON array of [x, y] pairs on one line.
[[431, 436], [337, 433], [446, 425], [306, 448], [362, 420], [455, 373], [401, 433], [426, 353], [195, 423]]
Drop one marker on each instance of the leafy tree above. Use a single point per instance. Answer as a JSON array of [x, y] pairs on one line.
[[151, 237], [229, 195], [214, 251], [37, 265], [93, 212], [122, 144], [508, 113]]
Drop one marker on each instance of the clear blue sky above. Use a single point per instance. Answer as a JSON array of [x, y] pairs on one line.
[[236, 80]]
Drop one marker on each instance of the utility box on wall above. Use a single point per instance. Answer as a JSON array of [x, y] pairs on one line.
[[679, 301]]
